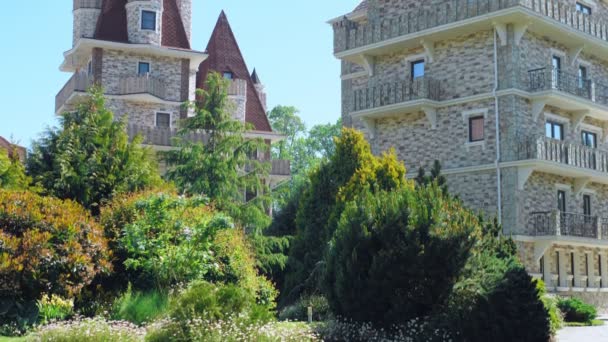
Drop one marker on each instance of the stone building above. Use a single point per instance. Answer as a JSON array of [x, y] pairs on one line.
[[140, 52], [512, 97]]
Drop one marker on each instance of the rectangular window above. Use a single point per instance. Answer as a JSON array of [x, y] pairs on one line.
[[148, 20], [554, 130], [587, 267], [90, 68], [599, 265], [561, 200], [228, 75], [583, 8], [587, 205], [572, 267], [143, 68], [557, 67], [417, 69], [589, 139], [542, 266], [582, 77], [163, 120], [476, 129]]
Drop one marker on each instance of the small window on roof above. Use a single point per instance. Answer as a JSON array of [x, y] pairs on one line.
[[583, 8], [148, 20], [228, 75]]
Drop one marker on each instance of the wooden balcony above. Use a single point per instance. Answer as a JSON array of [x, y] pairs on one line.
[[78, 83], [143, 85], [163, 137]]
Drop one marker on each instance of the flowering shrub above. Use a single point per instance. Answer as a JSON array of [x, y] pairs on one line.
[[46, 246], [54, 308], [412, 331], [90, 329]]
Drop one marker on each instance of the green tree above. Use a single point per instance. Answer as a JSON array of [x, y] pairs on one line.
[[89, 159], [331, 185], [12, 172], [286, 121], [220, 167]]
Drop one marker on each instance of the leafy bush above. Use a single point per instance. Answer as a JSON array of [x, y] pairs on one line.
[[12, 172], [395, 256], [139, 307], [46, 246], [299, 310], [95, 329], [206, 302], [550, 303], [54, 307], [575, 310]]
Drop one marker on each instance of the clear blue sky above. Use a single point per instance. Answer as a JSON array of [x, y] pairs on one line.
[[287, 41]]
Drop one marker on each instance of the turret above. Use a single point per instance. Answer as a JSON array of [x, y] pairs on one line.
[[85, 14], [144, 21], [259, 87]]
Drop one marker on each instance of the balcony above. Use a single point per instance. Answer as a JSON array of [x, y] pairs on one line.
[[556, 223], [426, 24], [389, 99], [78, 4], [237, 87], [78, 83], [138, 88], [142, 86], [161, 137]]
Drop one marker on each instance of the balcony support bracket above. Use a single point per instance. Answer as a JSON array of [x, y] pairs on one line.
[[523, 173], [574, 52], [580, 184], [370, 125], [368, 63], [538, 105], [431, 115], [540, 247], [429, 49], [501, 30], [578, 117], [519, 31]]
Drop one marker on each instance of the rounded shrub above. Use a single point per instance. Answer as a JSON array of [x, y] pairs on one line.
[[47, 245], [575, 310]]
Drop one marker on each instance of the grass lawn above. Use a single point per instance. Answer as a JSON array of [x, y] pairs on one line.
[[594, 323], [11, 339]]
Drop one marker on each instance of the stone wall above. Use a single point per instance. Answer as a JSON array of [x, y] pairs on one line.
[[118, 64], [477, 191], [85, 23], [141, 113], [136, 34]]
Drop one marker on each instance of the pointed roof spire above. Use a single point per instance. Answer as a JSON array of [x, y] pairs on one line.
[[255, 78], [225, 55]]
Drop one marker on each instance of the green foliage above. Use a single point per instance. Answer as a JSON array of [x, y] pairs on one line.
[[271, 256], [556, 319], [54, 307], [140, 307], [395, 256], [575, 310], [207, 302], [422, 179], [95, 329], [89, 158], [12, 172], [212, 168], [285, 120], [331, 186], [47, 245], [299, 310]]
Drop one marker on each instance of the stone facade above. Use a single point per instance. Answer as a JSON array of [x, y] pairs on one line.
[[137, 35], [379, 97], [85, 20]]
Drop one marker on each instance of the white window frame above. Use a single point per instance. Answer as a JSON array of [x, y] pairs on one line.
[[592, 129], [409, 60], [466, 115], [137, 67], [141, 18], [163, 112]]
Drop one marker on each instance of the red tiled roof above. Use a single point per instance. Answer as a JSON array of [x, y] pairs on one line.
[[174, 32], [112, 24], [225, 55], [6, 145]]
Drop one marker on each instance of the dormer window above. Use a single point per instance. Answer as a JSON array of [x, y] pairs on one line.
[[228, 75], [143, 68], [148, 20]]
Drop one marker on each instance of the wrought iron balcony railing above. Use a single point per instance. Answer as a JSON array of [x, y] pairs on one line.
[[431, 16], [555, 79], [386, 94], [557, 223]]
